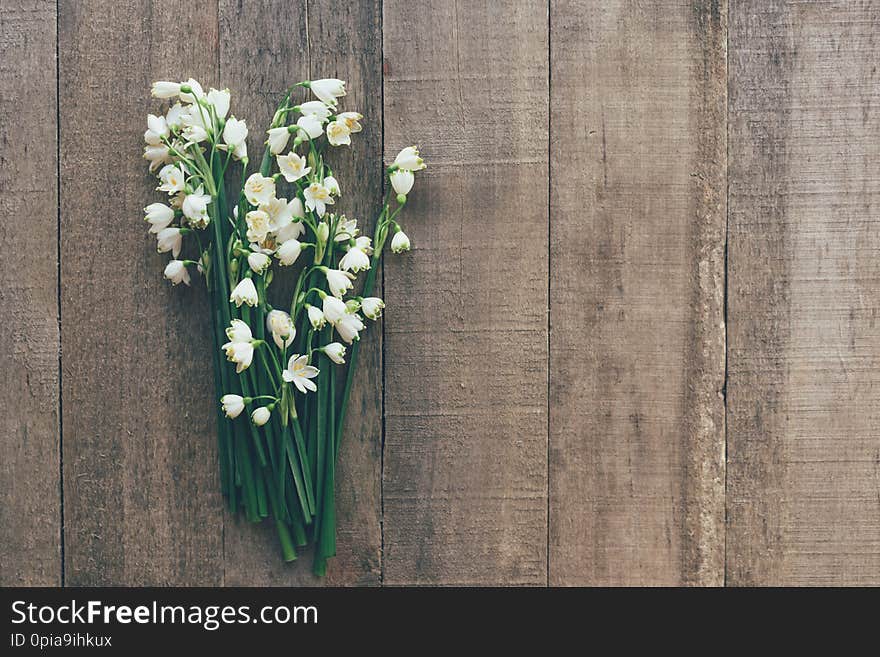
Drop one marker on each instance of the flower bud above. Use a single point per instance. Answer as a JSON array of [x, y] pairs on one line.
[[261, 415]]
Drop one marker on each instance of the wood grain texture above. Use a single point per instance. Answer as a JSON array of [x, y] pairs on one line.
[[465, 463], [637, 187], [30, 502], [804, 368], [141, 500], [268, 47]]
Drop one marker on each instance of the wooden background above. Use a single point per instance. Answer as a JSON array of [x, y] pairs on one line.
[[636, 342]]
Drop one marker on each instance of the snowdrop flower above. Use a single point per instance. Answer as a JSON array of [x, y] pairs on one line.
[[316, 317], [409, 159], [328, 89], [365, 244], [261, 415], [220, 101], [318, 198], [232, 405], [292, 166], [159, 216], [258, 262], [291, 231], [338, 281], [311, 125], [335, 352], [280, 212], [338, 133], [170, 239], [281, 326], [235, 134], [165, 89], [348, 327], [315, 107], [300, 373], [346, 229], [244, 292], [175, 271], [372, 307], [355, 260], [157, 130], [258, 225], [240, 353], [288, 252], [195, 207], [175, 115], [333, 309], [400, 242], [239, 331], [157, 155], [351, 119], [332, 186], [194, 91], [259, 190], [172, 178], [278, 138], [402, 181]]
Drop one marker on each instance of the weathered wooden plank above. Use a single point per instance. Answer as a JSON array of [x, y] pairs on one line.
[[804, 373], [465, 463], [268, 47], [141, 491], [638, 188], [30, 493]]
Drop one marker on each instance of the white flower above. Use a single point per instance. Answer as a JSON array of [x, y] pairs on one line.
[[157, 129], [278, 138], [175, 115], [332, 186], [244, 292], [281, 326], [240, 353], [311, 125], [291, 231], [235, 134], [365, 244], [157, 155], [292, 166], [316, 317], [335, 352], [175, 271], [258, 262], [259, 190], [280, 212], [409, 159], [348, 327], [315, 107], [173, 179], [402, 181], [333, 308], [159, 216], [170, 239], [220, 100], [351, 119], [195, 206], [338, 281], [338, 133], [239, 331], [258, 225], [299, 373], [165, 89], [233, 405], [355, 260], [346, 229], [261, 415], [400, 242], [195, 91], [328, 89], [322, 232], [372, 307], [318, 198], [288, 252]]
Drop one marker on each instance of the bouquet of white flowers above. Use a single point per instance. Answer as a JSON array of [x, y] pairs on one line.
[[280, 418]]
